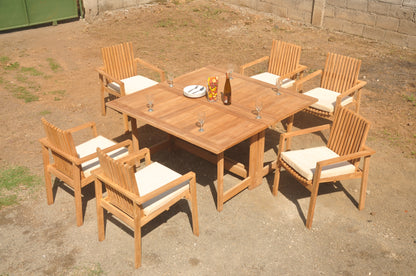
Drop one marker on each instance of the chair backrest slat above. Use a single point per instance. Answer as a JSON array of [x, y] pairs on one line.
[[119, 60], [122, 175], [340, 72], [284, 57], [60, 139], [349, 132]]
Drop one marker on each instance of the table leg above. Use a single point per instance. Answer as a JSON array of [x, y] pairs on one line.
[[220, 181], [256, 159], [134, 134], [289, 129]]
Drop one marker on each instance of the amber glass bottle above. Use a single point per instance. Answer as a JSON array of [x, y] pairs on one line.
[[226, 99]]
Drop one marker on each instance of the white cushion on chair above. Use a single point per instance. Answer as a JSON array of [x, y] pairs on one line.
[[153, 177], [326, 99], [304, 162], [91, 146], [133, 84], [272, 78]]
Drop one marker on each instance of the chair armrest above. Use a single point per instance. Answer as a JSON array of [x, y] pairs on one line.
[[366, 152], [126, 143], [135, 156], [363, 153], [45, 143], [360, 84], [285, 136], [188, 176], [305, 131], [254, 62], [109, 78], [91, 125], [307, 78], [141, 199], [352, 90], [299, 69], [152, 67]]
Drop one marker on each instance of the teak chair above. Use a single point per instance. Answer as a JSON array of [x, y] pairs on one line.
[[339, 86], [283, 62], [137, 195], [73, 164], [119, 77], [338, 160]]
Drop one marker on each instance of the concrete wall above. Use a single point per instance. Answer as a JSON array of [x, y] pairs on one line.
[[94, 7], [392, 21]]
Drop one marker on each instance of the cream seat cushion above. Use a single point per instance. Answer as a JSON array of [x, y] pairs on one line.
[[272, 78], [91, 146], [326, 99], [304, 162], [133, 84], [153, 177]]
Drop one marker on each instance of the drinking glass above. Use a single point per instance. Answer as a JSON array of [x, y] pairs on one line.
[[149, 98], [230, 69], [279, 82], [201, 120], [170, 79], [259, 107]]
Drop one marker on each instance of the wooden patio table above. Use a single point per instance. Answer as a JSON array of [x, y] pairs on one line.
[[225, 126]]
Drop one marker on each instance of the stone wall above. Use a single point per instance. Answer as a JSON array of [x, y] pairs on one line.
[[392, 21], [93, 7]]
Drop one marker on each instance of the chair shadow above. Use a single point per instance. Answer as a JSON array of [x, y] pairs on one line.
[[88, 192], [294, 191]]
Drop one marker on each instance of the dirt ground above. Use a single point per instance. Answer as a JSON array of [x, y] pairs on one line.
[[256, 233]]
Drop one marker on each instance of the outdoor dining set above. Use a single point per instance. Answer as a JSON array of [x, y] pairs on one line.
[[135, 190]]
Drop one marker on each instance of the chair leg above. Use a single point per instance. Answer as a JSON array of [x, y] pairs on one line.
[[78, 195], [137, 239], [194, 207], [103, 108], [312, 203], [48, 178], [276, 179], [100, 210], [126, 122], [364, 178]]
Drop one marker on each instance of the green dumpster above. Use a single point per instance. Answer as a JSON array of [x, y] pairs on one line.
[[21, 13]]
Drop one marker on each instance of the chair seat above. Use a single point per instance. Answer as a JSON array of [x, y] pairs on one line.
[[327, 99], [272, 78], [133, 84], [153, 177], [91, 146], [304, 162]]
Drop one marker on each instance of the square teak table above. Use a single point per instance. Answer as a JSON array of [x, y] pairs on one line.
[[225, 126]]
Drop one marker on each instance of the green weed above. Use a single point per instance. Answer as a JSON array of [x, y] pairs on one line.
[[58, 94], [411, 99], [31, 71], [53, 64], [12, 66], [165, 23], [13, 178], [7, 200], [208, 12], [44, 112], [21, 92], [4, 60]]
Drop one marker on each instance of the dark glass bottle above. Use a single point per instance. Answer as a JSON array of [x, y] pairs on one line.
[[226, 99]]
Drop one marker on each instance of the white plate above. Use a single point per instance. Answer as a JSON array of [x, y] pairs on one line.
[[194, 91]]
